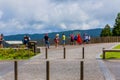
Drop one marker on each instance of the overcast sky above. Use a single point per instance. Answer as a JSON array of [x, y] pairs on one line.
[[41, 16]]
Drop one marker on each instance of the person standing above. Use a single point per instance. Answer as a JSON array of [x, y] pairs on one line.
[[26, 40], [72, 39], [1, 40], [86, 38], [79, 39], [56, 40], [89, 37], [75, 39], [63, 39], [46, 39]]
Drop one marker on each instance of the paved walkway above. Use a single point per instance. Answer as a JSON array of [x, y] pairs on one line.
[[62, 69]]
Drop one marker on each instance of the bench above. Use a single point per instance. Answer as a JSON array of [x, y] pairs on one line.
[[109, 50]]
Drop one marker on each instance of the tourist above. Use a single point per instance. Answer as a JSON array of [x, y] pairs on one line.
[[26, 40], [56, 40], [79, 39], [89, 37], [86, 38], [63, 39], [1, 40], [75, 39], [46, 39], [71, 39]]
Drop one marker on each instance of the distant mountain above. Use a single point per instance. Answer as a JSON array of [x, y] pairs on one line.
[[91, 32]]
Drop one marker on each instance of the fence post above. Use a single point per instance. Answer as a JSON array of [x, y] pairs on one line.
[[15, 70], [103, 53], [81, 70], [64, 56], [46, 53], [47, 70], [83, 53]]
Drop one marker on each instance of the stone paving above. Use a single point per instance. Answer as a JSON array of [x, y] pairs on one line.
[[114, 67], [61, 69]]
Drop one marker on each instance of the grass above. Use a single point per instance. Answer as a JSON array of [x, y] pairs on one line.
[[11, 54], [112, 55]]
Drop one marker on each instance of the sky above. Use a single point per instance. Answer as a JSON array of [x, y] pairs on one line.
[[44, 16]]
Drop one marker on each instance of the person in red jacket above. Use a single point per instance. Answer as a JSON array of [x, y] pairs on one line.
[[79, 39]]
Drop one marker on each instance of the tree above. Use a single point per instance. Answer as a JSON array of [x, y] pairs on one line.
[[106, 31], [116, 28]]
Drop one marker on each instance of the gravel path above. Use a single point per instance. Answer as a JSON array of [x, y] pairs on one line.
[[62, 69]]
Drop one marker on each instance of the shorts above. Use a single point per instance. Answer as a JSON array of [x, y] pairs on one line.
[[1, 42], [86, 40], [72, 40], [63, 41], [46, 42]]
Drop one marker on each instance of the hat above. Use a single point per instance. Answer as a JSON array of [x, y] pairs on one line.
[[57, 34]]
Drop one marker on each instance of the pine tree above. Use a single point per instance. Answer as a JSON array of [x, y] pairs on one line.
[[116, 28], [106, 31]]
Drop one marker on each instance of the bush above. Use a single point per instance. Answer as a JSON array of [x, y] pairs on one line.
[[9, 54]]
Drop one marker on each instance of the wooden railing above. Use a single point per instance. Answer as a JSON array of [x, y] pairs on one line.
[[110, 50], [93, 40], [105, 39]]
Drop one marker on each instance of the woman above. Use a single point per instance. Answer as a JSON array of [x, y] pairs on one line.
[[79, 39], [56, 40]]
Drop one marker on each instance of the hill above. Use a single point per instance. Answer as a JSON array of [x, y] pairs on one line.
[[91, 32]]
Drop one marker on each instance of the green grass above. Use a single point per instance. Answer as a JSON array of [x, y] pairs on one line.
[[112, 55], [11, 54], [117, 47]]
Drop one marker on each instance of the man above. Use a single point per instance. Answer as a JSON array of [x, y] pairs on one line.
[[46, 39], [26, 40]]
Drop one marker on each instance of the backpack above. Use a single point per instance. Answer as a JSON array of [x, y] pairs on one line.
[[75, 38]]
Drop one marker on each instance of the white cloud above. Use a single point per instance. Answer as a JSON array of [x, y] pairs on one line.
[[55, 15], [38, 26], [63, 26], [2, 25], [1, 14]]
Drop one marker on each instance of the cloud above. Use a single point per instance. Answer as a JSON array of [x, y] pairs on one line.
[[24, 16], [1, 13], [63, 26]]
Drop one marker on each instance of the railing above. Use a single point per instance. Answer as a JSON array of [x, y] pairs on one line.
[[93, 40], [105, 39], [109, 50]]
